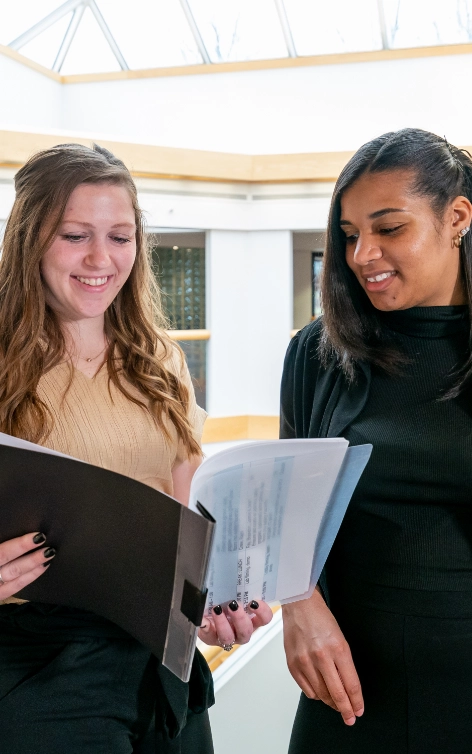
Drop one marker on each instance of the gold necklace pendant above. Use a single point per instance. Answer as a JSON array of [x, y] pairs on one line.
[[92, 358]]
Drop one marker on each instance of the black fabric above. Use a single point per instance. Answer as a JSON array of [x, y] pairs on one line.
[[409, 523], [70, 680], [411, 646], [316, 399], [416, 676]]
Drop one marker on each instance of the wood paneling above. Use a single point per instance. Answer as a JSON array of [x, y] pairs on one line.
[[14, 55], [141, 159], [188, 164], [189, 334], [228, 428], [263, 65], [246, 65], [172, 163]]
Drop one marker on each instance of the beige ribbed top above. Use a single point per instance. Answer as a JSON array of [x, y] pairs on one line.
[[95, 422]]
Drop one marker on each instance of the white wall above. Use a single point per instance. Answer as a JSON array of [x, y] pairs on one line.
[[28, 100], [249, 295], [254, 711], [219, 206], [319, 108], [186, 204]]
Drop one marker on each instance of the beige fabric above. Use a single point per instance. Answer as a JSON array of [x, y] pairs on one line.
[[95, 422]]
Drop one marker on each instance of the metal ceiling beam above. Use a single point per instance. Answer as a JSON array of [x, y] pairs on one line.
[[287, 31], [383, 25], [195, 31], [108, 35], [45, 23], [68, 38]]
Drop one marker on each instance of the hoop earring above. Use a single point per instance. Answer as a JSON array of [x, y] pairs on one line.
[[457, 240]]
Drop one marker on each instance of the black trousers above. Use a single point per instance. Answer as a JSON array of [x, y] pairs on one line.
[[413, 654], [85, 695]]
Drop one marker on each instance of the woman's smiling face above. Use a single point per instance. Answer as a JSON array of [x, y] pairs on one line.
[[92, 254], [402, 254]]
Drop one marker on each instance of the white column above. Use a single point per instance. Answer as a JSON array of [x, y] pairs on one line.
[[249, 294]]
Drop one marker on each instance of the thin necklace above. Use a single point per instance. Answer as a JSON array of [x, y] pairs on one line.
[[92, 358]]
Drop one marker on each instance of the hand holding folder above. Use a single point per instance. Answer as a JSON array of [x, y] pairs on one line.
[[140, 559], [124, 550]]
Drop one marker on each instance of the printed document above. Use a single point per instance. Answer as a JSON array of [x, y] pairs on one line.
[[278, 506]]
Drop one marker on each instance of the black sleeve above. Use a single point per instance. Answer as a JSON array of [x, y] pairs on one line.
[[287, 392]]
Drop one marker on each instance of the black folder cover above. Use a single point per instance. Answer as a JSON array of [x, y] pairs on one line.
[[124, 550]]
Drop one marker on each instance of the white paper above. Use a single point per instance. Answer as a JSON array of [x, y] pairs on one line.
[[16, 442], [278, 507], [354, 463], [269, 500]]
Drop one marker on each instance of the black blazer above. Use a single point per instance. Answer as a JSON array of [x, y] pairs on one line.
[[318, 400]]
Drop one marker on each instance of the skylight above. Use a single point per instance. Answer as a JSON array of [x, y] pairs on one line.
[[82, 36]]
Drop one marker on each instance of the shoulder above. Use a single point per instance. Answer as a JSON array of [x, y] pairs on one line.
[[304, 348], [304, 374]]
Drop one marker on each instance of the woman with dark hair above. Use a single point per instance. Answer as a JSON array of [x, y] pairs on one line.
[[385, 640], [87, 369]]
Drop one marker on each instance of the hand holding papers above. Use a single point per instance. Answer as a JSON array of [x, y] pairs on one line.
[[140, 559], [278, 507]]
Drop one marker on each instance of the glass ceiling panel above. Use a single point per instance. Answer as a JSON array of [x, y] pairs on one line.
[[415, 23], [44, 48], [89, 51], [152, 33], [156, 33], [16, 16], [319, 28], [239, 29]]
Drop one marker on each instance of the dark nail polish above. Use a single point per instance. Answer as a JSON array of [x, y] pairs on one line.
[[233, 605], [46, 565], [39, 538], [254, 605], [49, 553], [217, 609]]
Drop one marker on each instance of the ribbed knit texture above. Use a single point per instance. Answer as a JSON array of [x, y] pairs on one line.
[[409, 524], [95, 422]]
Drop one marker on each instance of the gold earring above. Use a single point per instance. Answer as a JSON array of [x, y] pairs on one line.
[[457, 240]]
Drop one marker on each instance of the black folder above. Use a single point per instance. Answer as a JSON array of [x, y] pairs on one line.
[[125, 551]]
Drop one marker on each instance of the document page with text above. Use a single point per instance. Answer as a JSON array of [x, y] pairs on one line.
[[269, 500]]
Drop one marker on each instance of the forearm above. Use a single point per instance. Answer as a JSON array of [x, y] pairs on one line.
[[182, 475]]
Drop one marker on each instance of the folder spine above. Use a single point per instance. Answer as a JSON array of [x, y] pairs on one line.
[[192, 563]]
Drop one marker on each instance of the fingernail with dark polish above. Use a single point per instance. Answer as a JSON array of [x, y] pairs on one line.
[[217, 609], [233, 605], [39, 538], [49, 553], [254, 605], [47, 564]]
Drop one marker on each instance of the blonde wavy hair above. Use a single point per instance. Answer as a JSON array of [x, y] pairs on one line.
[[31, 339]]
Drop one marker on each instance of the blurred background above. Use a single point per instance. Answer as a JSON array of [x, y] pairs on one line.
[[235, 118]]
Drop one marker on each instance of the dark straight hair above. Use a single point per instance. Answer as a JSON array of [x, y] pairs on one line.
[[352, 329]]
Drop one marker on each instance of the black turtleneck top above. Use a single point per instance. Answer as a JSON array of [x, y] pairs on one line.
[[409, 523]]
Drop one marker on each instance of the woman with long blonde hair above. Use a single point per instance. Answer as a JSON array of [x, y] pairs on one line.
[[86, 368]]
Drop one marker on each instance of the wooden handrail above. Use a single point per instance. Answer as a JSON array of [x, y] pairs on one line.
[[189, 334]]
